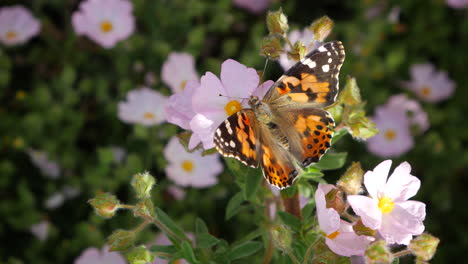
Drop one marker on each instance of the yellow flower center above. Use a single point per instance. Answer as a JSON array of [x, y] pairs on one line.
[[148, 115], [11, 35], [333, 235], [187, 165], [106, 26], [426, 91], [386, 204], [183, 84], [390, 134], [232, 107]]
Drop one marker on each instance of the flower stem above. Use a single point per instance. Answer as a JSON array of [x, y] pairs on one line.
[[126, 206], [291, 205], [140, 227], [401, 253], [292, 257], [309, 252]]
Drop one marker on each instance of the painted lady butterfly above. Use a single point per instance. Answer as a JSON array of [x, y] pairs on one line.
[[288, 128]]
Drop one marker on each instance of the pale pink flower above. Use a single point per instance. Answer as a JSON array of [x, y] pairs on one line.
[[236, 85], [459, 4], [411, 108], [17, 25], [55, 200], [96, 256], [339, 234], [179, 109], [144, 106], [177, 70], [429, 84], [254, 6], [70, 192], [163, 240], [48, 167], [40, 230], [177, 192], [118, 153], [309, 40], [104, 21], [388, 209], [394, 137], [191, 169]]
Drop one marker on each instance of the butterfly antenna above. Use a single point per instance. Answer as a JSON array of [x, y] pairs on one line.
[[264, 69], [240, 98]]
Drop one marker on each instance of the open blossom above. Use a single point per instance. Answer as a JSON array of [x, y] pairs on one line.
[[394, 137], [430, 85], [96, 256], [49, 168], [17, 25], [177, 70], [254, 6], [40, 230], [411, 108], [104, 21], [387, 209], [459, 4], [179, 109], [191, 169], [144, 106], [339, 234], [309, 40], [236, 85]]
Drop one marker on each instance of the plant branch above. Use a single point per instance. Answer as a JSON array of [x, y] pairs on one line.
[[291, 205]]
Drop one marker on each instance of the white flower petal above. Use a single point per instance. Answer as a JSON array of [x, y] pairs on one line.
[[328, 218], [375, 180], [367, 209], [402, 185]]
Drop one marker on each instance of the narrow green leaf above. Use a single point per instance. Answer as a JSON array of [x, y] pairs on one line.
[[307, 211], [165, 249], [332, 161], [338, 135], [252, 182], [234, 205], [311, 175], [169, 223], [200, 226], [290, 220], [203, 237], [187, 252], [244, 250]]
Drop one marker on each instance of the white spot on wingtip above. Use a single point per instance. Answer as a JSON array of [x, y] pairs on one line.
[[325, 68]]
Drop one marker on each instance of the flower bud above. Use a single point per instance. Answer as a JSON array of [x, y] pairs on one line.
[[142, 183], [272, 47], [378, 252], [281, 237], [351, 181], [361, 230], [139, 255], [105, 204], [351, 94], [322, 27], [358, 125], [144, 209], [424, 246], [121, 240], [277, 22], [298, 52], [334, 199]]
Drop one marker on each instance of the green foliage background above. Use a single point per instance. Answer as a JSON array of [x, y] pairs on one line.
[[72, 87]]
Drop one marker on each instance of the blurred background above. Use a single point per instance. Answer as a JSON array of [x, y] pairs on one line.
[[62, 138]]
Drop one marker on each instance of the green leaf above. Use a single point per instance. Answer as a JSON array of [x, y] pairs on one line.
[[234, 205], [290, 220], [308, 210], [187, 252], [338, 135], [332, 161], [164, 249], [396, 261], [244, 250], [311, 175], [203, 237], [251, 184], [169, 223]]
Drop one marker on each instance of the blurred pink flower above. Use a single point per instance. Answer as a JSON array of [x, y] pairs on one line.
[[118, 153], [430, 85], [104, 21], [388, 209], [143, 106], [54, 201], [176, 192], [177, 70], [96, 256], [236, 85], [150, 78], [40, 230], [254, 6], [394, 137], [49, 168], [17, 25], [191, 169], [179, 106], [339, 234], [457, 3], [163, 240], [309, 40], [411, 108]]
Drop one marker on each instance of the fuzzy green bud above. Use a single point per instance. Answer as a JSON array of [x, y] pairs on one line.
[[424, 246], [272, 46], [378, 252], [282, 237], [351, 181], [139, 255], [144, 209], [361, 230], [298, 52], [105, 204], [351, 94], [277, 22], [121, 240], [357, 123], [322, 27], [142, 183]]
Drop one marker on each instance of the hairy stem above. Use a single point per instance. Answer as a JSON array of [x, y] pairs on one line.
[[401, 253]]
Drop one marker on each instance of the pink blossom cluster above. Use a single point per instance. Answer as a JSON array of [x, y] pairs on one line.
[[386, 211]]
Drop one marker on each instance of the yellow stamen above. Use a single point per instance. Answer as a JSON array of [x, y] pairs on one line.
[[386, 205], [426, 91], [390, 134], [148, 115], [106, 26], [11, 35], [232, 107], [333, 235], [187, 165], [182, 85]]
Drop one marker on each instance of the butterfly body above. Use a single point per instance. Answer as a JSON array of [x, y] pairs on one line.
[[287, 129]]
